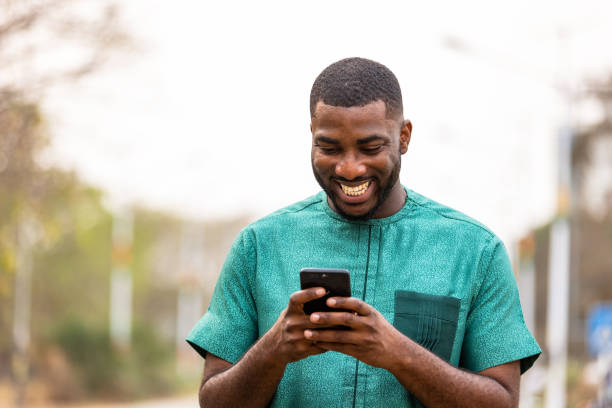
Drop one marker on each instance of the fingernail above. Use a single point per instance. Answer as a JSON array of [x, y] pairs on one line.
[[307, 333], [331, 302], [315, 317], [320, 291]]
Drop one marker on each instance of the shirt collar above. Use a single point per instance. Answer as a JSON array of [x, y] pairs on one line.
[[372, 221]]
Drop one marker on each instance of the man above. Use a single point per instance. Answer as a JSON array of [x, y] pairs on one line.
[[434, 316]]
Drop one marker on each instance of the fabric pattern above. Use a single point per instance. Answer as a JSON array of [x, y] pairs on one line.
[[442, 278]]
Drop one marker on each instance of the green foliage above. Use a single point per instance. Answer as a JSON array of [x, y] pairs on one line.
[[59, 225], [71, 253], [152, 361], [21, 137], [103, 370], [89, 351], [72, 272]]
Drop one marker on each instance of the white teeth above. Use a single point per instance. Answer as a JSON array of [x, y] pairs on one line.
[[355, 191]]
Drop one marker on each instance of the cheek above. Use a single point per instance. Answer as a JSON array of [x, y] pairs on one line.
[[322, 163], [384, 164]]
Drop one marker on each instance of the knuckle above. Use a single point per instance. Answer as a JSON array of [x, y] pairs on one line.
[[370, 324], [290, 323], [294, 297], [348, 304], [312, 293], [295, 337], [348, 318]]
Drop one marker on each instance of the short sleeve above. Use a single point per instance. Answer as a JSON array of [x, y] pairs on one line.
[[495, 330], [229, 327]]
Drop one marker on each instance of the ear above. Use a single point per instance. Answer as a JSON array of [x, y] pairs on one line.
[[405, 134]]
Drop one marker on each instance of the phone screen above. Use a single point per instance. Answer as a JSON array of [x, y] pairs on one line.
[[336, 281]]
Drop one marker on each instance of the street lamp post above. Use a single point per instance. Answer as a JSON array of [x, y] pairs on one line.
[[559, 253]]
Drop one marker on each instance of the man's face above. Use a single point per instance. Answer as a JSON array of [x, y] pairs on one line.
[[356, 158]]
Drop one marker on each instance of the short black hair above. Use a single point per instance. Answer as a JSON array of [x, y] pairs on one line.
[[357, 82]]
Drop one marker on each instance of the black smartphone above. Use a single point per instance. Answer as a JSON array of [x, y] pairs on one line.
[[337, 282]]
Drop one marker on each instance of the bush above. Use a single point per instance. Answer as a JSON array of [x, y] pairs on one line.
[[104, 371]]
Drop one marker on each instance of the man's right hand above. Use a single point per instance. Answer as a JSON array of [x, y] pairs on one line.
[[287, 334], [263, 365]]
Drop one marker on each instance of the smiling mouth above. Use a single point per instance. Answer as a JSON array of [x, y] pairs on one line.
[[356, 190]]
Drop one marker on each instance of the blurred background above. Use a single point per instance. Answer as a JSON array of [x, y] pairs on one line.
[[138, 137]]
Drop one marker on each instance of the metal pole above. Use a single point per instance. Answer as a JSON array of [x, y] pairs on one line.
[[558, 282], [22, 310], [121, 279], [526, 282], [192, 265]]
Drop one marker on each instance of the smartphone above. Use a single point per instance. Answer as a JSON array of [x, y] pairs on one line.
[[337, 282]]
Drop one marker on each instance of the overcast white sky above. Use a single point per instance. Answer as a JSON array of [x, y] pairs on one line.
[[210, 116]]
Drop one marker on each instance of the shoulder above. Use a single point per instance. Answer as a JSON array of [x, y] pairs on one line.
[[304, 207], [287, 217], [443, 219]]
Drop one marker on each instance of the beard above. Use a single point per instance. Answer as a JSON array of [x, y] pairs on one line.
[[381, 196]]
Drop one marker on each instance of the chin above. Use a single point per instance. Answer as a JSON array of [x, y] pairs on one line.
[[356, 216]]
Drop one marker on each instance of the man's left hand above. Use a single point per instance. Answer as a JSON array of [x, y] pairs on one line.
[[371, 338]]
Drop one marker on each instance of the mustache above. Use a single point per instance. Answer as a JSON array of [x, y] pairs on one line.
[[336, 178]]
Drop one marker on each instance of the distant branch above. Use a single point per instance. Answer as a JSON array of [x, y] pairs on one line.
[[34, 32], [26, 20]]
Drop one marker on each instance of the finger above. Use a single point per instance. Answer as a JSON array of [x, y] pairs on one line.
[[307, 348], [350, 349], [302, 322], [350, 303], [331, 336], [318, 350], [297, 322], [297, 299], [350, 319]]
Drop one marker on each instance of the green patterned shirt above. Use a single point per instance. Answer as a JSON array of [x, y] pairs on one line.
[[441, 278]]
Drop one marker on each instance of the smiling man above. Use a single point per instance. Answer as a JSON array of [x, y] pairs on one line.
[[434, 318], [356, 158]]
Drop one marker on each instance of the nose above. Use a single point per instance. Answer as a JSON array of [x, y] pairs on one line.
[[350, 167]]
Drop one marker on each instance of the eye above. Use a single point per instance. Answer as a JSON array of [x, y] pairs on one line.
[[372, 149], [328, 149]]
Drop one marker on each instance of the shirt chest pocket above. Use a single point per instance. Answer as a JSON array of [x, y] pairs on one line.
[[429, 320]]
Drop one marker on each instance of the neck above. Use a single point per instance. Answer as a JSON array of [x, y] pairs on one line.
[[395, 201]]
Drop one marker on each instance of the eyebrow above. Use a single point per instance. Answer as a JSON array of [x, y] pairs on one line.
[[369, 139], [326, 139], [362, 141]]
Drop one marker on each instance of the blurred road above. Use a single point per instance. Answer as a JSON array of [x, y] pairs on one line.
[[182, 402], [177, 402]]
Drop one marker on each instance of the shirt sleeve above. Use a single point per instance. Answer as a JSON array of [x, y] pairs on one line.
[[495, 329], [229, 327]]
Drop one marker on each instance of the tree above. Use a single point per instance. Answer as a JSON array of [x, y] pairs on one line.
[[43, 43]]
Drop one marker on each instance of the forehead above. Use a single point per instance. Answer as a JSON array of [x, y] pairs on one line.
[[372, 115]]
